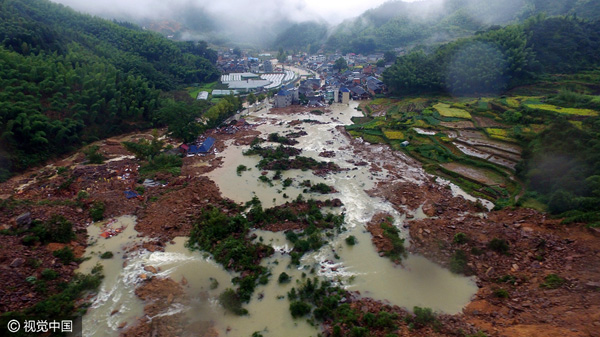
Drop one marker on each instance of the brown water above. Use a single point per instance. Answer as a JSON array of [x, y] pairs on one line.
[[418, 282]]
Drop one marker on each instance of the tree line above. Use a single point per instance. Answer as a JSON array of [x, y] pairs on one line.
[[68, 79], [499, 58]]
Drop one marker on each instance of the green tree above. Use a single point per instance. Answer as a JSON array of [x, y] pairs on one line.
[[181, 119], [251, 98], [389, 56], [340, 64]]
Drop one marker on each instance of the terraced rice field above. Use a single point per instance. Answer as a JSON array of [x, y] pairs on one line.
[[446, 111], [458, 125], [394, 134], [480, 175], [567, 111], [500, 134]]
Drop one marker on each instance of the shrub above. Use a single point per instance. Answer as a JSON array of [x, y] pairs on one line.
[[299, 309], [214, 284], [351, 240], [29, 240], [49, 274], [500, 293], [398, 251], [97, 211], [385, 319], [61, 170], [321, 188], [82, 195], [458, 262], [60, 229], [240, 169], [287, 182], [499, 245], [552, 281], [140, 189], [358, 331], [507, 279], [369, 319], [55, 229], [231, 302], [162, 163], [107, 255], [284, 278], [337, 331], [92, 155], [460, 238], [65, 254], [423, 316]]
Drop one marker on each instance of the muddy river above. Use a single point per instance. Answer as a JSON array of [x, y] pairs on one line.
[[418, 282]]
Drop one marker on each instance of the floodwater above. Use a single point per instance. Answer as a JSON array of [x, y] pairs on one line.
[[418, 282]]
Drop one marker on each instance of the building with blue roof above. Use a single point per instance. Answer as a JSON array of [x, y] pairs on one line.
[[207, 145]]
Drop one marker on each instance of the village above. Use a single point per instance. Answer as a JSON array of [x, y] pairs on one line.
[[326, 79]]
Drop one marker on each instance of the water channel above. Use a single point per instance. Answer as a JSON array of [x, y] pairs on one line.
[[418, 282]]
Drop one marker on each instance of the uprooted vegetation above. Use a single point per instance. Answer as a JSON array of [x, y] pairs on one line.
[[287, 158], [154, 160], [386, 238], [227, 238], [342, 315]]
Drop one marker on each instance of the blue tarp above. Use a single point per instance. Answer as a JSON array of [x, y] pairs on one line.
[[130, 194], [206, 146]]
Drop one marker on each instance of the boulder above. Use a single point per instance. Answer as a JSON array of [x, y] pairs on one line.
[[24, 220], [18, 262], [429, 209]]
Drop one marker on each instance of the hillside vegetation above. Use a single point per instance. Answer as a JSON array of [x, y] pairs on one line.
[[67, 79], [499, 59], [553, 118], [397, 24]]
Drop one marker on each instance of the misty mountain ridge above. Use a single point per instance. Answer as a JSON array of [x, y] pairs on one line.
[[392, 25], [398, 24]]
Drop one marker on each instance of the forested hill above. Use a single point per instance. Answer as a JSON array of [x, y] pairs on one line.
[[67, 79], [397, 24], [31, 26], [500, 58], [548, 62]]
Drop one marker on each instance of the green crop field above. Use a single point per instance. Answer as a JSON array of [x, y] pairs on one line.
[[394, 134], [500, 134], [446, 111], [567, 111]]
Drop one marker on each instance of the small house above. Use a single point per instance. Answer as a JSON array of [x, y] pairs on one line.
[[206, 146]]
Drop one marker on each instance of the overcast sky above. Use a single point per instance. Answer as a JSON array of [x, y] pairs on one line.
[[333, 11]]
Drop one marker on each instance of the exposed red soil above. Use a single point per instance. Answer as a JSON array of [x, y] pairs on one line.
[[295, 110], [539, 246], [177, 206], [380, 241], [163, 212]]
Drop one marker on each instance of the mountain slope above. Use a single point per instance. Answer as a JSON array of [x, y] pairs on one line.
[[68, 78], [398, 24]]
